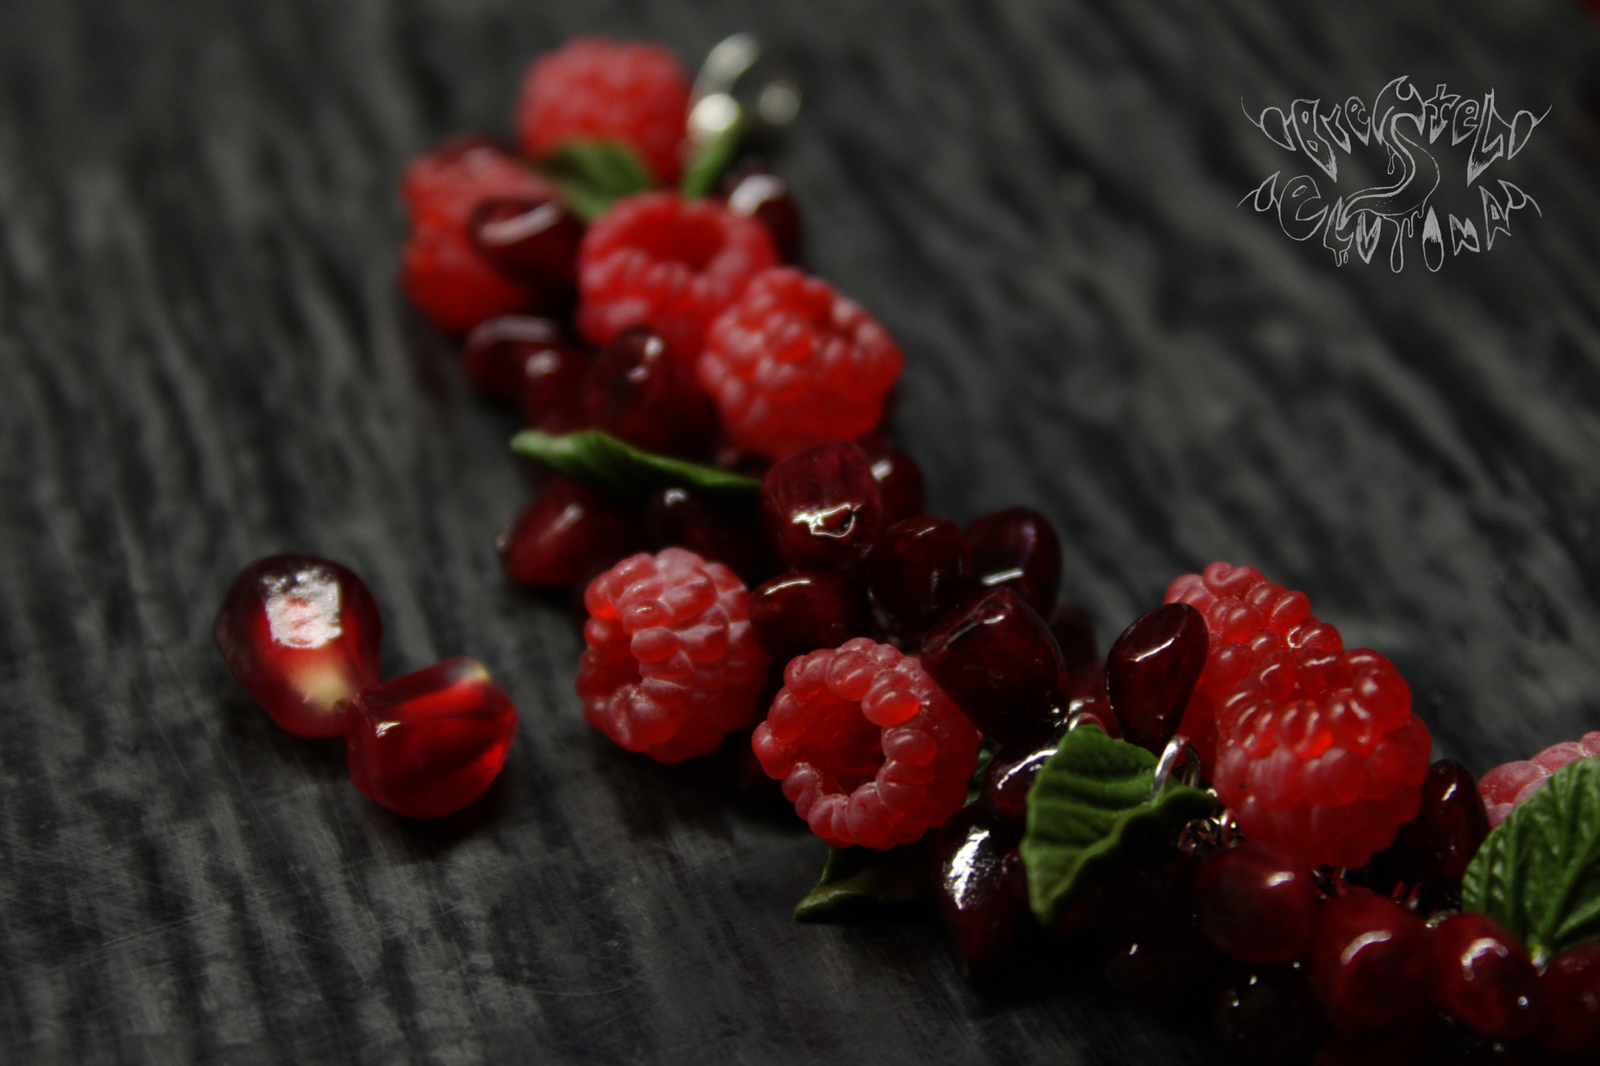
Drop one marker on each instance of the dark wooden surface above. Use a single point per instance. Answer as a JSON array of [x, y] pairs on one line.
[[204, 359]]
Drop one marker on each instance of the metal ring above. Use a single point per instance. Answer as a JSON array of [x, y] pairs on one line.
[[1177, 748]]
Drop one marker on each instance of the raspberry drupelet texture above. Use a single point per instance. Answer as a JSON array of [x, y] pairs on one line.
[[633, 93], [672, 664], [1507, 785], [1315, 747], [446, 183], [673, 265], [792, 364], [868, 748]]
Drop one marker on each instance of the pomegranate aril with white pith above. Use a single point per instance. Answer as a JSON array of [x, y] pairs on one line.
[[914, 573], [804, 610], [900, 483], [716, 532], [1484, 977], [637, 391], [1370, 961], [997, 660], [535, 240], [566, 534], [429, 743], [1254, 906], [302, 635], [1016, 548], [822, 507], [1151, 670], [1074, 633], [1570, 986], [975, 857]]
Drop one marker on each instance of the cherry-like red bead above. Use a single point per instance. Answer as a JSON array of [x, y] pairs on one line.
[[1435, 847], [1152, 669], [1484, 976], [637, 392], [997, 660], [1255, 906], [1074, 632], [567, 534], [429, 743], [915, 572], [532, 239], [822, 507], [973, 877], [1570, 987], [302, 635], [1371, 961], [900, 481], [804, 610], [1007, 779], [1017, 548], [753, 190], [722, 534], [552, 388], [495, 355]]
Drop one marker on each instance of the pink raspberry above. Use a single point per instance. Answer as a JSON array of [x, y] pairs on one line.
[[1507, 785], [672, 664], [598, 90], [447, 182], [868, 748], [659, 261], [793, 364]]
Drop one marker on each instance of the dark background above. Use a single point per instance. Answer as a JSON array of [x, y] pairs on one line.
[[204, 359]]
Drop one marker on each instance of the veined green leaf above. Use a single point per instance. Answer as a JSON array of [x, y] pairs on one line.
[[856, 882], [602, 462]]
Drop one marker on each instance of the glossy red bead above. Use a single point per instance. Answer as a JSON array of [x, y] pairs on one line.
[[302, 635], [754, 190], [637, 392], [429, 743], [1484, 976], [1006, 781], [1017, 548], [981, 912], [900, 482], [997, 660], [1371, 961], [1151, 670], [1267, 1017], [1435, 847], [552, 388], [804, 610], [1570, 987], [915, 572], [1074, 633], [1254, 906], [566, 535], [822, 507], [529, 238], [718, 533]]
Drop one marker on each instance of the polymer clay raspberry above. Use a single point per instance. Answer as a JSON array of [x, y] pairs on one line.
[[792, 363], [673, 265], [672, 664], [592, 89], [446, 183], [868, 748], [1316, 750], [1507, 785]]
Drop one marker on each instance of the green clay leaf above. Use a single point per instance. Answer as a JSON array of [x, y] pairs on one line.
[[710, 160], [1538, 874], [1091, 802], [986, 749], [593, 175], [603, 462], [862, 882]]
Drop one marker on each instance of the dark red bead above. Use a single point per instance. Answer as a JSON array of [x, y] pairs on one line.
[[1371, 961], [822, 507], [1484, 976], [996, 659], [1174, 976], [1010, 774], [1267, 1017], [1017, 548], [1149, 900], [566, 535], [1412, 1042], [804, 610], [302, 635], [981, 912], [1151, 670], [1434, 848], [495, 355], [552, 390], [427, 744], [1570, 987], [1074, 631], [1254, 906], [717, 533], [753, 190], [637, 392], [532, 239], [1084, 693], [915, 572], [899, 478]]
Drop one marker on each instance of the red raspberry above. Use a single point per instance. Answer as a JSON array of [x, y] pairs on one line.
[[1317, 751], [792, 364], [672, 664], [599, 90], [453, 178], [658, 261], [446, 279], [1507, 785], [868, 748]]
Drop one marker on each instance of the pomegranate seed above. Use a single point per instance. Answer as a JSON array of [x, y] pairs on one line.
[[1484, 976], [899, 478], [301, 634], [914, 571], [427, 744], [1011, 772], [1570, 988], [1254, 906], [752, 189], [567, 534], [1074, 632], [528, 238], [637, 392], [822, 507], [804, 610], [1433, 849], [976, 860], [726, 535], [1267, 1017], [1371, 961], [1151, 670], [495, 355], [997, 660], [1016, 547]]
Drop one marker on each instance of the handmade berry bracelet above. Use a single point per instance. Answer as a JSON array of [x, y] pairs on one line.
[[1229, 811]]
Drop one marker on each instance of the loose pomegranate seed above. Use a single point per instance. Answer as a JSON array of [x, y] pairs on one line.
[[1011, 772], [997, 660], [1151, 670], [900, 481], [566, 534], [637, 392], [301, 634], [754, 190], [1371, 961], [427, 744], [975, 858], [1484, 976], [804, 610], [727, 535], [915, 571], [1267, 1017], [1433, 849], [1254, 906], [1074, 632], [1570, 988], [529, 238], [1018, 548], [822, 507]]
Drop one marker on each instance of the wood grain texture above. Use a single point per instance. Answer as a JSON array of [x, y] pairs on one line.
[[204, 359]]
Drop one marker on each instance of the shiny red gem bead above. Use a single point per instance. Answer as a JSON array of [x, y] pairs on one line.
[[1371, 961], [900, 481], [915, 572], [1255, 906], [429, 743], [868, 748], [822, 507], [1485, 977], [717, 533], [535, 240], [752, 189], [804, 610], [672, 664], [998, 661], [302, 635], [496, 355], [639, 393], [977, 866], [566, 534], [1017, 548], [1151, 670], [1571, 989]]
